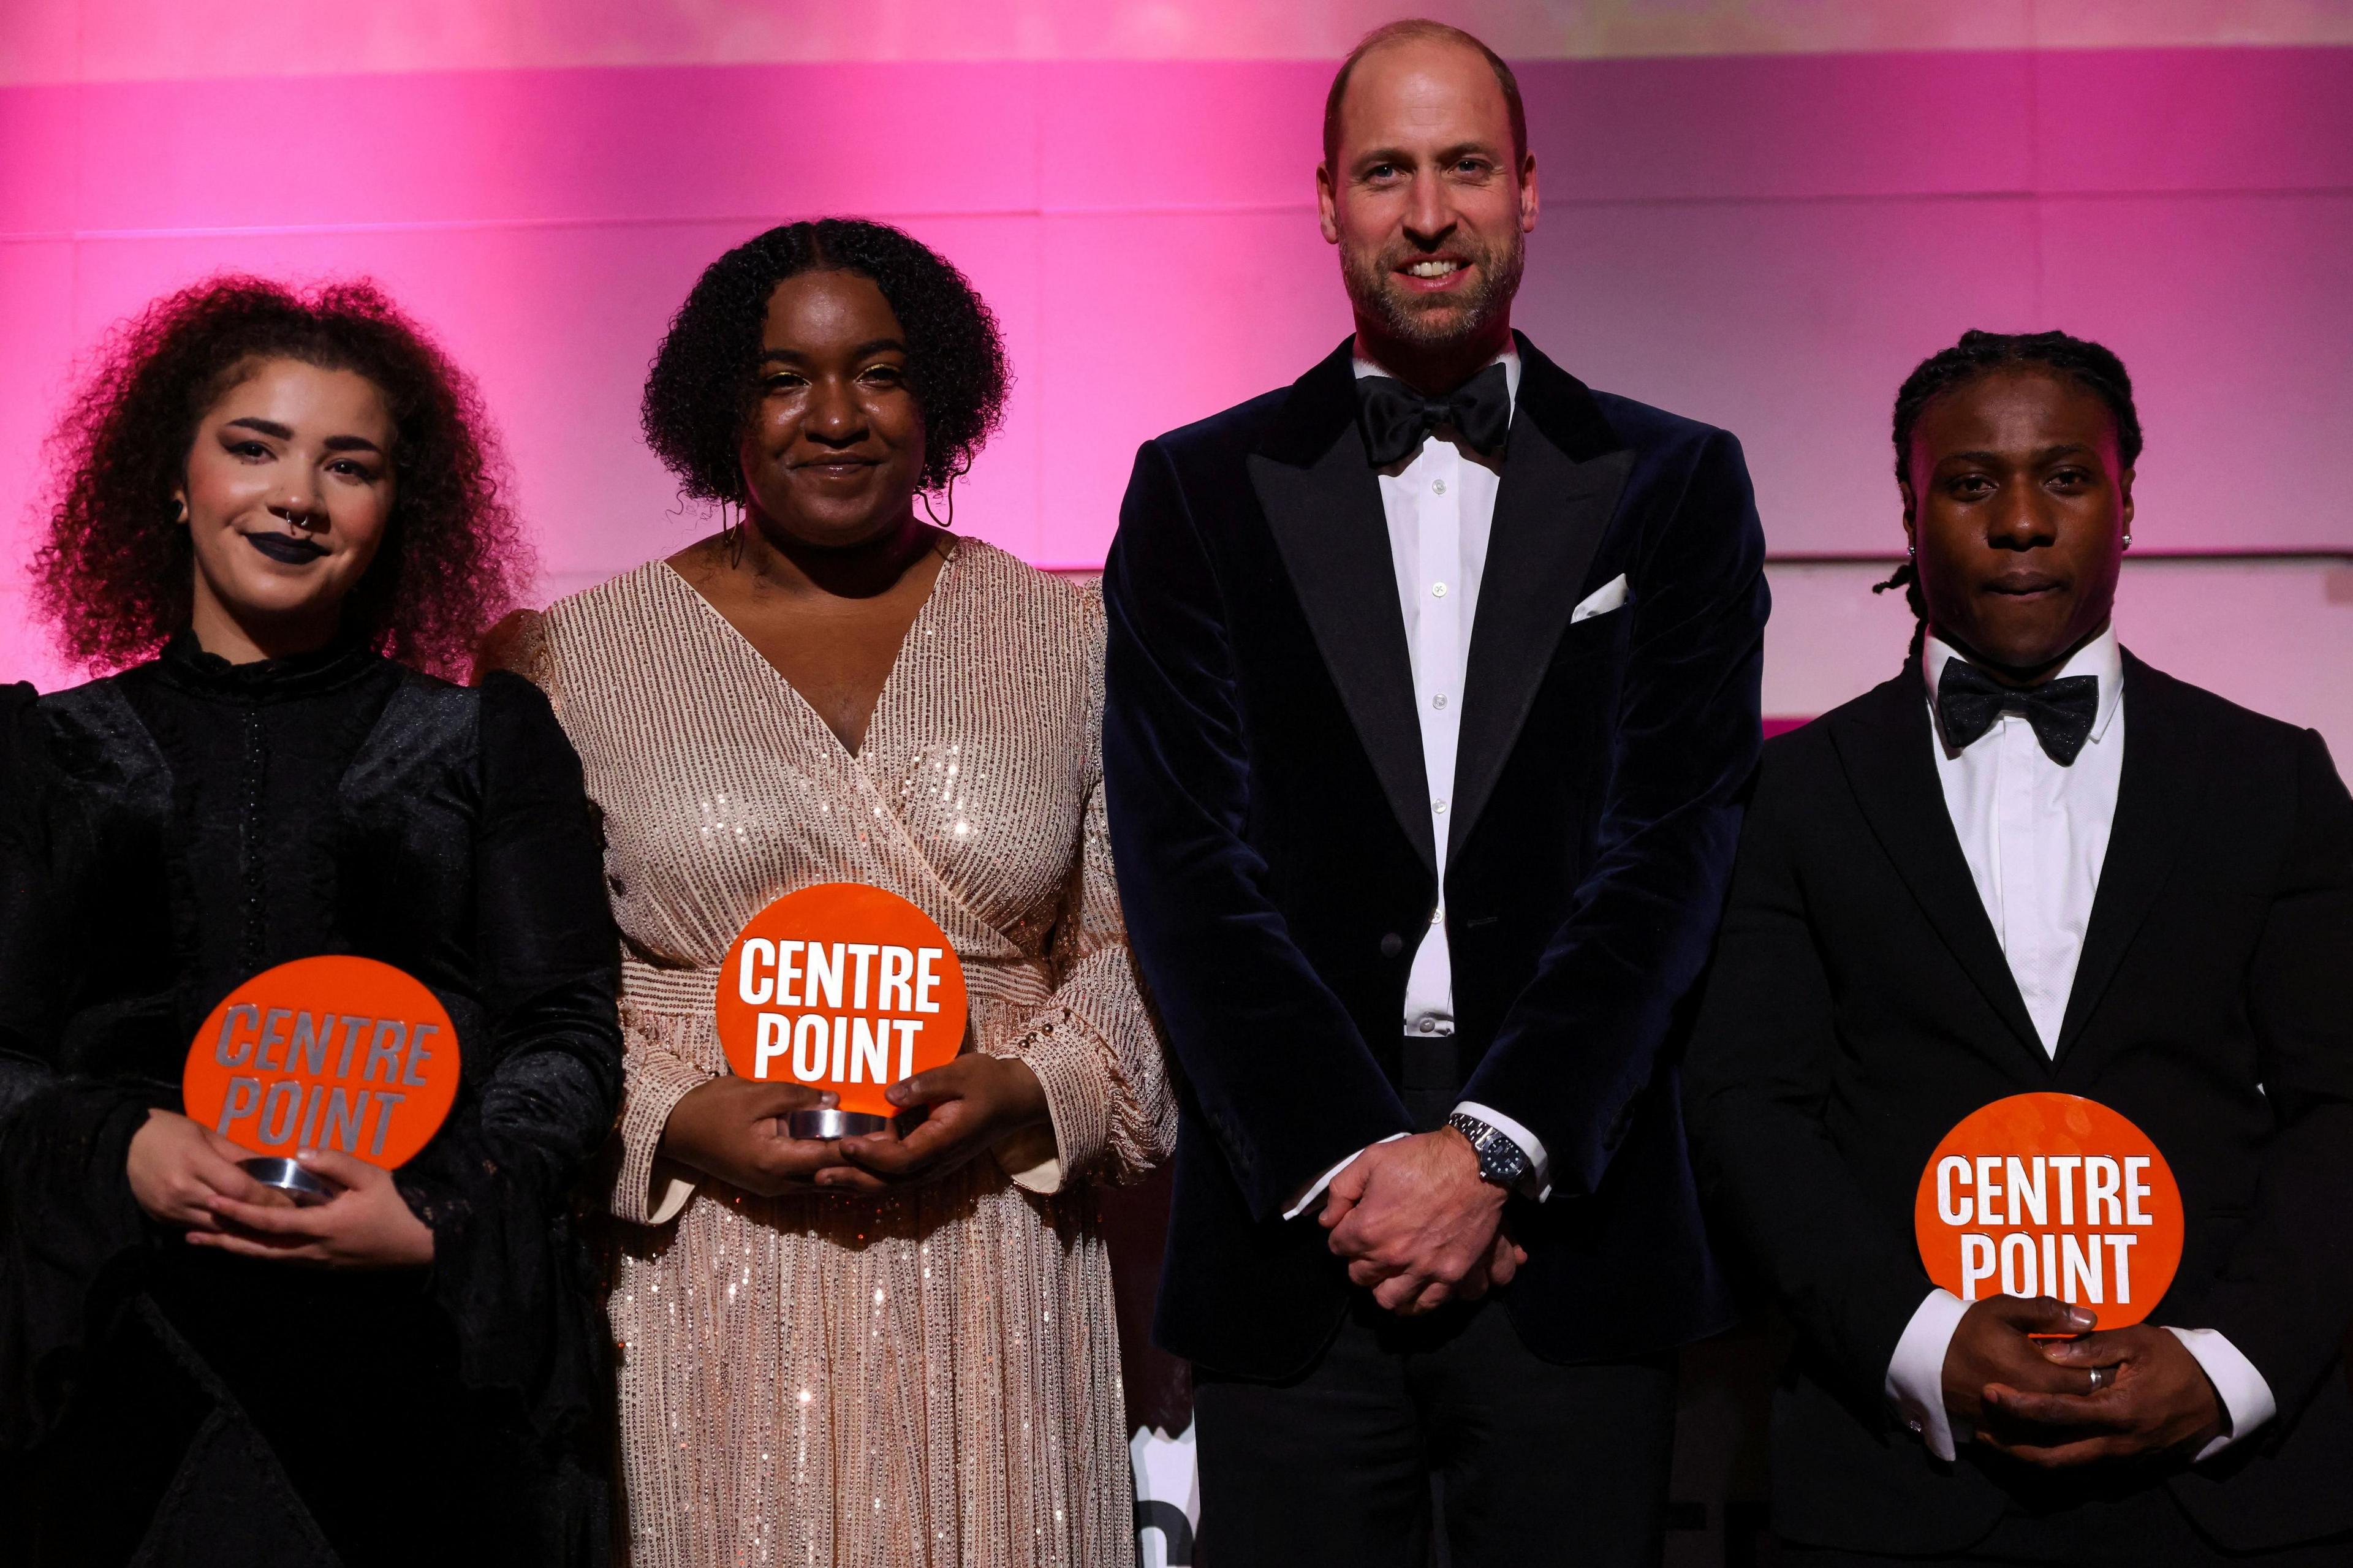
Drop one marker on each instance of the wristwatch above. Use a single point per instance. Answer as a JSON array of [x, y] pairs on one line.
[[1502, 1162]]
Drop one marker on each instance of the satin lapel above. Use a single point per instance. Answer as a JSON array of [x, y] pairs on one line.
[[2156, 798], [1324, 505], [1550, 514], [1885, 750]]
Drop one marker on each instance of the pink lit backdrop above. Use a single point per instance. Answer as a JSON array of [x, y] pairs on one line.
[[1759, 214]]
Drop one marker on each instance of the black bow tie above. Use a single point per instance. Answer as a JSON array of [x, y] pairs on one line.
[[1396, 418], [1968, 701]]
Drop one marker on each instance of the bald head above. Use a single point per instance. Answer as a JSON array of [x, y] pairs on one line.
[[1427, 189], [1420, 36]]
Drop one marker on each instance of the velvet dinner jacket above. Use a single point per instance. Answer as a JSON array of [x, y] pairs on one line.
[[1859, 1006], [1272, 829]]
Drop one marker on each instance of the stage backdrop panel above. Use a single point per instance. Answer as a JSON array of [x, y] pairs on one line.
[[1768, 240]]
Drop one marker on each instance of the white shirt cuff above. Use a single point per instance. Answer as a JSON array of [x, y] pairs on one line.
[[2246, 1397], [1538, 1184], [1916, 1372], [1307, 1199]]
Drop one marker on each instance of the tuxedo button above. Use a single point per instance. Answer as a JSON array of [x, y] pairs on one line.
[[1392, 944]]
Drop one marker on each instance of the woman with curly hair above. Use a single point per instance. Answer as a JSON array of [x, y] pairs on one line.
[[875, 1350], [276, 504]]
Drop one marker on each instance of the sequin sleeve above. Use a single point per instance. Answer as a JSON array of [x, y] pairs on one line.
[[1095, 1044], [648, 1189], [518, 643]]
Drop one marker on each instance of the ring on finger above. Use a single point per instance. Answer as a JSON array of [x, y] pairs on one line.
[[2102, 1377]]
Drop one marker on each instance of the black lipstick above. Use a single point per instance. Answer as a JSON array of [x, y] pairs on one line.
[[285, 549]]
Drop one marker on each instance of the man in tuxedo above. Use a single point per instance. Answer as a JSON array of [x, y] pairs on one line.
[[2032, 863], [1432, 681]]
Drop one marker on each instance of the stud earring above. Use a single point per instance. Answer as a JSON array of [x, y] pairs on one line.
[[2128, 541]]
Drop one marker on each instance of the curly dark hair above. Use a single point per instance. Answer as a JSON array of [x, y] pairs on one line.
[[2094, 366], [705, 383], [115, 575]]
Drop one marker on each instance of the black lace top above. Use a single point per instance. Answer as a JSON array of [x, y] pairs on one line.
[[168, 832]]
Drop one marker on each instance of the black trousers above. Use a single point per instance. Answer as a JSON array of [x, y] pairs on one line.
[[1536, 1463], [2144, 1530]]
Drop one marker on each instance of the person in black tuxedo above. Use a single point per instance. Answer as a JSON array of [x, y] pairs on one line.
[[1432, 681], [1972, 883]]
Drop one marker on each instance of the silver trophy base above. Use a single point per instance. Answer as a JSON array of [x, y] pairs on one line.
[[830, 1122], [289, 1177]]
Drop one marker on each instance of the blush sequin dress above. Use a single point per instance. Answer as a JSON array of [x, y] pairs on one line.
[[929, 1377]]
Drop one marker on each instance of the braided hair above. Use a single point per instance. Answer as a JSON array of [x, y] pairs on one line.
[[2092, 365]]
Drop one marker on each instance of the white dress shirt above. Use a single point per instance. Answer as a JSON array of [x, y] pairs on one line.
[[2035, 834], [1440, 507]]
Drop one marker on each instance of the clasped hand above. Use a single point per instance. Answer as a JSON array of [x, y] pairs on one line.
[[1417, 1225], [733, 1129], [183, 1174], [2032, 1399]]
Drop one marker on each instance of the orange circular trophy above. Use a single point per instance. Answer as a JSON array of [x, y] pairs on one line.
[[2051, 1194], [841, 988], [331, 1052]]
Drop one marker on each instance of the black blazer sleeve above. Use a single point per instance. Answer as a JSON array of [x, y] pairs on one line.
[[1269, 1053], [27, 959], [69, 1230], [1582, 1040], [497, 1184], [2285, 1295], [1756, 1084]]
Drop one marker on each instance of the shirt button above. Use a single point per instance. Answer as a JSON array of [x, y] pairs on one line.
[[1437, 914], [1428, 1026], [1438, 806], [1438, 700], [1438, 486], [1438, 590]]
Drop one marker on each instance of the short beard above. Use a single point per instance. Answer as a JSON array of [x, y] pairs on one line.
[[1464, 318]]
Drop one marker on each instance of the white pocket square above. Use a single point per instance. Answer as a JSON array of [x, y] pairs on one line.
[[1601, 600]]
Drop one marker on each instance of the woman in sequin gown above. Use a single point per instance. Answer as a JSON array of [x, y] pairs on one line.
[[874, 1353]]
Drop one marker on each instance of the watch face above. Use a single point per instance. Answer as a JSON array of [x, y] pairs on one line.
[[1502, 1162]]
